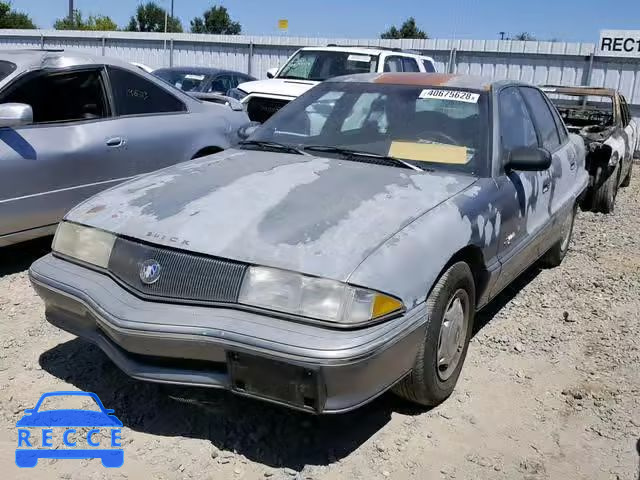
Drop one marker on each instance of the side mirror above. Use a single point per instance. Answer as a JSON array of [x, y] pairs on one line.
[[529, 159], [271, 73], [15, 114], [248, 130]]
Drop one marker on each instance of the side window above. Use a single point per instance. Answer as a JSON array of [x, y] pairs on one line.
[[428, 66], [562, 129], [222, 84], [516, 126], [410, 65], [62, 97], [135, 95], [542, 118], [626, 114], [393, 64]]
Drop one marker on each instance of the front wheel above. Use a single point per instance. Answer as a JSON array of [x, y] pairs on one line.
[[450, 313], [604, 196]]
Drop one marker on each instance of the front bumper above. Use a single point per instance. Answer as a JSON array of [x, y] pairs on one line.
[[307, 367]]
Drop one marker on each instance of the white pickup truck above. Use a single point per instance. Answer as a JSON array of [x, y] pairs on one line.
[[311, 65]]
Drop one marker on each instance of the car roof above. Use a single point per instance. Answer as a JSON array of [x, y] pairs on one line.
[[365, 50], [197, 70], [470, 82], [39, 58], [594, 91]]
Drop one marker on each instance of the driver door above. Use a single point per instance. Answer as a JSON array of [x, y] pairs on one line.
[[522, 194]]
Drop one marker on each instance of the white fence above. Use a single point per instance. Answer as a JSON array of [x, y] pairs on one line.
[[535, 62]]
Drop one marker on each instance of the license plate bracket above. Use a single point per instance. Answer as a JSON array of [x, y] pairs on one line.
[[275, 380]]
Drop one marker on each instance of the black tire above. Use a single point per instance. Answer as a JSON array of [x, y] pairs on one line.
[[555, 255], [424, 384], [604, 197], [627, 180]]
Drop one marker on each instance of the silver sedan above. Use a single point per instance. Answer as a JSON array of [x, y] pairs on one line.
[[72, 125]]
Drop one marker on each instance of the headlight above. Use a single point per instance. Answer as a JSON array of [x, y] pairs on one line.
[[312, 297], [84, 243], [236, 93]]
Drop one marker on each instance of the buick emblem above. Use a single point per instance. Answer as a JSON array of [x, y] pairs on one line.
[[149, 272]]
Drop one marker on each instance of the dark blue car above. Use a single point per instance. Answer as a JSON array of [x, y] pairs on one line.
[[28, 457]]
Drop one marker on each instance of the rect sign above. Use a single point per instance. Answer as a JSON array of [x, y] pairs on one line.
[[619, 43]]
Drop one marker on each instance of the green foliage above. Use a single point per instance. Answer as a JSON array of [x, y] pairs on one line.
[[12, 19], [409, 29], [150, 18], [525, 37], [215, 20], [93, 22]]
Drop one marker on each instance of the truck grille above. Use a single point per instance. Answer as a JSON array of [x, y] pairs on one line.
[[260, 109], [183, 276]]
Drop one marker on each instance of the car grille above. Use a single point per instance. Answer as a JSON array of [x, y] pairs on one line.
[[183, 276], [260, 109]]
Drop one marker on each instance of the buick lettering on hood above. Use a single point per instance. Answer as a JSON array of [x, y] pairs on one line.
[[319, 264]]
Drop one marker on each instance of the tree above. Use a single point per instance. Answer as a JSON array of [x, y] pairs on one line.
[[150, 18], [12, 19], [97, 22], [524, 37], [215, 20], [409, 29]]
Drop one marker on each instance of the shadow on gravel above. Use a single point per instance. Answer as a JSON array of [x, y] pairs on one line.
[[638, 450], [485, 315], [17, 258], [268, 434]]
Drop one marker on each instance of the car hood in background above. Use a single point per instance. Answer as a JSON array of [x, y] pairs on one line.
[[276, 86], [315, 215]]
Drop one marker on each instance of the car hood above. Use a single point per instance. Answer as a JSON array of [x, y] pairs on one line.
[[314, 215], [277, 86]]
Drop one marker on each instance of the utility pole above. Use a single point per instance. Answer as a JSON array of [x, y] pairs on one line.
[[172, 9], [502, 35], [71, 11]]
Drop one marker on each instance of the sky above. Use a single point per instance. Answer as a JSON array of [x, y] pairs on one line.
[[564, 20]]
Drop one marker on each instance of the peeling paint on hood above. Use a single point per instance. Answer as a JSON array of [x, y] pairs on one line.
[[315, 215]]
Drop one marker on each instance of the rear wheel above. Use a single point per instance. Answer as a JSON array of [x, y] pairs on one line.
[[604, 197], [450, 314], [556, 254]]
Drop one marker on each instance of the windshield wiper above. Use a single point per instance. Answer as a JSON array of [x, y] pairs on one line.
[[266, 145], [348, 153]]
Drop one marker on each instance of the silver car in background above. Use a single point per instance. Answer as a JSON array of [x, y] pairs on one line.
[[73, 124]]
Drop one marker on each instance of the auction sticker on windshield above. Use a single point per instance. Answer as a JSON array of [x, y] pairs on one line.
[[456, 95]]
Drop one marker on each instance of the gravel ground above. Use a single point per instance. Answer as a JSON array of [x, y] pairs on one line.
[[550, 389]]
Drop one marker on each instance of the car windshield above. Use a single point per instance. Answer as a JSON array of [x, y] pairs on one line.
[[319, 65], [6, 68], [431, 128], [69, 402], [184, 80]]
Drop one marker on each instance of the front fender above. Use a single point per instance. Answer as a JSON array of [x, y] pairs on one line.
[[410, 262]]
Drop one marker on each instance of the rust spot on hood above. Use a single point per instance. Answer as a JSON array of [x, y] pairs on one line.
[[96, 209]]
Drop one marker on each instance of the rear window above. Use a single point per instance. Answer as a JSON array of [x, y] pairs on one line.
[[6, 69]]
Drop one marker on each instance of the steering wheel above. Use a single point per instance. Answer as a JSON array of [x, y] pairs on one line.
[[434, 135]]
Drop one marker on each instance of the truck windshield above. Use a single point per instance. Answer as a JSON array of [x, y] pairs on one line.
[[319, 65]]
